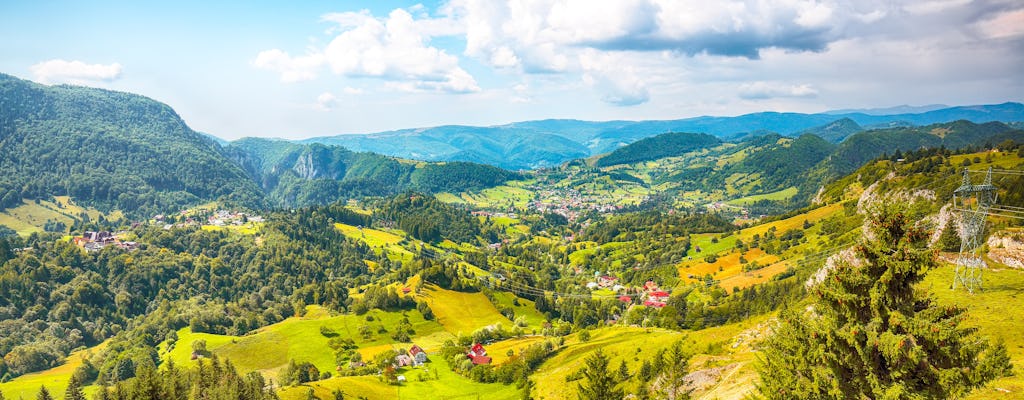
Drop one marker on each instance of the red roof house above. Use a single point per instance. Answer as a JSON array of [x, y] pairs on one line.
[[478, 354], [418, 355]]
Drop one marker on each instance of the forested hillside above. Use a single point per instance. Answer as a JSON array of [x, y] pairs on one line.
[[108, 149], [653, 148], [306, 174]]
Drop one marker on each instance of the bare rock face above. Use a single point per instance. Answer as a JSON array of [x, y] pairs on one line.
[[1007, 248], [305, 167]]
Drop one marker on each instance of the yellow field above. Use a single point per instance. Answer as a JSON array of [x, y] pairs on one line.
[[250, 228], [31, 217], [462, 312], [498, 351], [796, 222], [726, 266]]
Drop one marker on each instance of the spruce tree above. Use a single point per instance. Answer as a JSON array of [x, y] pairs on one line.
[[601, 383], [871, 334], [74, 390], [44, 394]]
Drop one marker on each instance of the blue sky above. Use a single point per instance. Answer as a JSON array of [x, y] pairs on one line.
[[314, 68]]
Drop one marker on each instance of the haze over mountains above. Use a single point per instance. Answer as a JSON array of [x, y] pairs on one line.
[[545, 143]]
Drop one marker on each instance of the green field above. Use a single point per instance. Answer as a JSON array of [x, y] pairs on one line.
[[56, 379], [994, 311], [783, 194], [447, 385]]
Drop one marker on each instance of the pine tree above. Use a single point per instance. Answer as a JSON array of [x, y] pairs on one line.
[[74, 390], [870, 334], [674, 371], [44, 394], [601, 383]]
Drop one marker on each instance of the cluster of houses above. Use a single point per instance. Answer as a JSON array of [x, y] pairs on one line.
[[96, 241], [217, 218], [414, 358], [225, 217], [569, 203], [652, 295]]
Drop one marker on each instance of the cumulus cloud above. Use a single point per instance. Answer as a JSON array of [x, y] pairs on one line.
[[292, 69], [395, 48], [75, 72], [768, 90], [534, 31], [326, 101]]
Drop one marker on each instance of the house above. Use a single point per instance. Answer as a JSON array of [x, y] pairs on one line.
[[650, 286], [403, 360], [418, 355], [606, 281], [652, 303], [592, 285], [626, 299], [354, 365], [659, 295], [478, 355]]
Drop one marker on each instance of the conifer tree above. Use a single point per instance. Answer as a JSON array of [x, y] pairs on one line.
[[600, 382], [871, 334], [44, 394], [74, 390]]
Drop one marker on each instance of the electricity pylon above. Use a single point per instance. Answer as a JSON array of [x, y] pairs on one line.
[[973, 202]]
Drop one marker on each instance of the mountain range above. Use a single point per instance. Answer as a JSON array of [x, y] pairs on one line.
[[114, 150], [545, 143]]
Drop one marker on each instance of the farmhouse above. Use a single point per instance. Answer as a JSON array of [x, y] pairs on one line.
[[478, 355], [403, 360], [418, 355]]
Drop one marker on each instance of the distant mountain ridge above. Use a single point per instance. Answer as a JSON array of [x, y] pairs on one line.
[[544, 143]]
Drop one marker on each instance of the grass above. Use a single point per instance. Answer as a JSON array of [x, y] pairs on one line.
[[462, 312], [269, 349], [447, 385], [498, 351], [633, 345], [774, 196], [250, 228], [525, 308], [30, 216], [728, 266], [56, 379], [995, 313]]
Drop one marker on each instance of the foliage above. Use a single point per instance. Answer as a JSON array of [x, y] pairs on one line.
[[108, 149], [600, 383], [430, 220], [872, 334], [653, 148]]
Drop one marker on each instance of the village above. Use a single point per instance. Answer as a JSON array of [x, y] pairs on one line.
[[651, 294]]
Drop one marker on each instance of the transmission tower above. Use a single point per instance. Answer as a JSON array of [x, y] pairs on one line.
[[973, 202]]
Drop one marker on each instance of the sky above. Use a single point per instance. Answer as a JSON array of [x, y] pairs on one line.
[[315, 68]]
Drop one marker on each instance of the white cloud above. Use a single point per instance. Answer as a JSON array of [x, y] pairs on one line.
[[395, 48], [768, 90], [75, 72], [292, 69], [935, 6], [353, 91], [326, 101]]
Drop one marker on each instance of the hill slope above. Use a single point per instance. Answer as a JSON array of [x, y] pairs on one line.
[[296, 174], [108, 149]]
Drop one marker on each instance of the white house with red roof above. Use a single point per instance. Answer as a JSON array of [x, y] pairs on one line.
[[478, 355]]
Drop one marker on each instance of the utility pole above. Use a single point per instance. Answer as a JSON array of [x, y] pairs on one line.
[[973, 202]]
